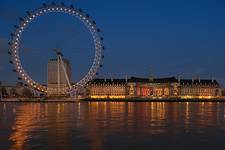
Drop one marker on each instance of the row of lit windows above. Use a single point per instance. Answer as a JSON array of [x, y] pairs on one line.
[[104, 89], [107, 91], [153, 92], [197, 90], [150, 91], [200, 85], [107, 85]]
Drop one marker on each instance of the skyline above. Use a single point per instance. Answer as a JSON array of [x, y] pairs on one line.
[[156, 39]]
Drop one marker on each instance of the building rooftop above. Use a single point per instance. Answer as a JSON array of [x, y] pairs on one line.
[[156, 80], [55, 59], [202, 81], [153, 80], [108, 81]]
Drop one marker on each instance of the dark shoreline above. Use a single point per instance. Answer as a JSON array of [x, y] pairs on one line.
[[111, 100]]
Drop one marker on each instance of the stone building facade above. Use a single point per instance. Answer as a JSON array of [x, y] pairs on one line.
[[158, 88]]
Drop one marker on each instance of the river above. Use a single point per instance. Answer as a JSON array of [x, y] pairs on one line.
[[112, 126]]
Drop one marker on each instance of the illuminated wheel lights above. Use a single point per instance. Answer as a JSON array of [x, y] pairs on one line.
[[54, 8]]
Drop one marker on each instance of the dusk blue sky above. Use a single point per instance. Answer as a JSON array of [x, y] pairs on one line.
[[142, 37]]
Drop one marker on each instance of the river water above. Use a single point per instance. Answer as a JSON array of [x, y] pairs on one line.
[[112, 126]]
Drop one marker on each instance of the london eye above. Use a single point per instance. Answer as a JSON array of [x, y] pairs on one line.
[[35, 14]]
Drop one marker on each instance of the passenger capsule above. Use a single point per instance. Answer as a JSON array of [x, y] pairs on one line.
[[21, 19], [28, 13], [71, 6]]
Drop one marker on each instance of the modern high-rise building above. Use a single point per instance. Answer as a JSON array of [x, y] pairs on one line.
[[58, 75]]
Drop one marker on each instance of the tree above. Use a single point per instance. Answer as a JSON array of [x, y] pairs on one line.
[[27, 92], [13, 92], [4, 91]]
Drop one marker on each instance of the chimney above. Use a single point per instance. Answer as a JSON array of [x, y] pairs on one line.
[[212, 79], [179, 78]]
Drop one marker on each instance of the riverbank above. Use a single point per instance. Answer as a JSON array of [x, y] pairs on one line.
[[154, 100], [41, 100], [71, 100]]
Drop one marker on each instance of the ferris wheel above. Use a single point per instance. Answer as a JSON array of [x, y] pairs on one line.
[[55, 8]]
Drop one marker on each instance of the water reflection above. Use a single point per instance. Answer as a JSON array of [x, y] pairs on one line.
[[108, 125], [24, 125]]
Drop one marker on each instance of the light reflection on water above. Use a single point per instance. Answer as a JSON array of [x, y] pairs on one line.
[[112, 125]]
